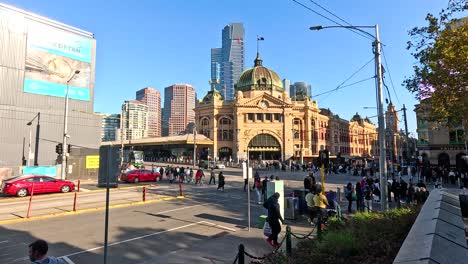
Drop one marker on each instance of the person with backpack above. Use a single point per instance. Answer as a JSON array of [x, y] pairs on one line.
[[274, 218], [198, 176]]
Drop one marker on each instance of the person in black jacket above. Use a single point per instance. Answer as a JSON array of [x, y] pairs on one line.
[[274, 218]]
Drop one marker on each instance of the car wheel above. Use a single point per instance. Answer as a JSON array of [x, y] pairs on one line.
[[22, 192], [136, 180], [65, 189]]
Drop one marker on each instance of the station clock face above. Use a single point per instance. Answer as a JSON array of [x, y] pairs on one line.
[[263, 104]]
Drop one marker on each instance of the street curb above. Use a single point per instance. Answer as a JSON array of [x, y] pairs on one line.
[[69, 193], [39, 217]]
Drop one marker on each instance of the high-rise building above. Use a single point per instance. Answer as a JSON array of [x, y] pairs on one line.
[[286, 85], [110, 126], [299, 91], [134, 120], [231, 57], [37, 58], [216, 59], [179, 104], [152, 98]]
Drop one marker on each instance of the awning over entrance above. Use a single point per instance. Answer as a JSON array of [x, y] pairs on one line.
[[172, 140]]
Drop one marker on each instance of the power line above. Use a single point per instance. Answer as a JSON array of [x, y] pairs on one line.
[[331, 13], [340, 86], [329, 19], [389, 75]]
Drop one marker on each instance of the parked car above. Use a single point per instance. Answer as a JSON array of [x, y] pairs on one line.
[[22, 185], [137, 176], [217, 165]]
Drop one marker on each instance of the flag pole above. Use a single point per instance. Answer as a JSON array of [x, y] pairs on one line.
[[257, 44]]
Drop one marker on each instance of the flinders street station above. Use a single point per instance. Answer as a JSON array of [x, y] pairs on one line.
[[263, 122]]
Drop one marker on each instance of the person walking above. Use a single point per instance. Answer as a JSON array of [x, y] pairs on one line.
[[37, 252], [368, 196], [221, 181], [212, 177], [349, 196], [274, 218], [198, 176], [264, 188], [258, 187]]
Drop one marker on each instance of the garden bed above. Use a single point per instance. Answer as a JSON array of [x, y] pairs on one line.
[[365, 238]]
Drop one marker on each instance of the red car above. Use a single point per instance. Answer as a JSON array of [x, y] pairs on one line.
[[22, 185], [140, 176]]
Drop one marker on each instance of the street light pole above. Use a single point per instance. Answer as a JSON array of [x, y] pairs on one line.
[[65, 129], [36, 148], [382, 156], [194, 146], [378, 84]]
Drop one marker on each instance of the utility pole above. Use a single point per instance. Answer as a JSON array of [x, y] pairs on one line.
[[194, 146], [382, 156], [65, 130], [38, 131], [407, 135]]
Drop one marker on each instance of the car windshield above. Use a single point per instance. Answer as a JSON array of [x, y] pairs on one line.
[[132, 171]]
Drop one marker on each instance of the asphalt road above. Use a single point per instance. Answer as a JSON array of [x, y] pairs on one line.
[[208, 222]]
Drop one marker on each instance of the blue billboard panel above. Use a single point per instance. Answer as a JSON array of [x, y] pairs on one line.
[[55, 89], [59, 42], [53, 56], [41, 170]]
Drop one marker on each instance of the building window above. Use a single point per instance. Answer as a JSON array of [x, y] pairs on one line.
[[456, 136], [268, 117], [277, 117], [250, 117], [260, 117]]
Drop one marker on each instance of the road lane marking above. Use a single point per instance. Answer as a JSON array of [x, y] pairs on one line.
[[3, 241], [84, 190], [94, 209], [68, 260], [220, 226], [132, 239]]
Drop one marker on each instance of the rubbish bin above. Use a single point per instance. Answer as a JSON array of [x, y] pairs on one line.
[[291, 208], [463, 196]]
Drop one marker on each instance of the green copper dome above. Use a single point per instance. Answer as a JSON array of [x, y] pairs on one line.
[[259, 78]]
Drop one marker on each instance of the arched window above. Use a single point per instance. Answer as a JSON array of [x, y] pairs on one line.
[[225, 131], [205, 127]]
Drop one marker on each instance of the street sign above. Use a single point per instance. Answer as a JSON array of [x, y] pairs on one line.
[[92, 162]]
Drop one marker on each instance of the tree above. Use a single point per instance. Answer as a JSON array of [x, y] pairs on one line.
[[440, 75]]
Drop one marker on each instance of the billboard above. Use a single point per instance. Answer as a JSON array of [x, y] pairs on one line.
[[92, 162], [52, 56]]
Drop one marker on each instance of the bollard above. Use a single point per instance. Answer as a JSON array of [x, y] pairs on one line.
[[319, 227], [181, 192], [288, 241], [240, 254], [76, 194], [30, 201], [144, 194]]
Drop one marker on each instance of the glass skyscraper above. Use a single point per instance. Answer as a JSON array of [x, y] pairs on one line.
[[299, 90], [228, 61]]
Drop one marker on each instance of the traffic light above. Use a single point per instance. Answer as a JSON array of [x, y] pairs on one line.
[[59, 148], [69, 148]]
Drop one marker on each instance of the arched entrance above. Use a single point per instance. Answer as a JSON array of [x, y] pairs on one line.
[[264, 147], [444, 160], [225, 153]]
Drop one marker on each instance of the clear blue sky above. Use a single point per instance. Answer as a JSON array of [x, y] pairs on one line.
[[158, 43]]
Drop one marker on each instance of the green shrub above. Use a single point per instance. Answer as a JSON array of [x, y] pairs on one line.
[[365, 238]]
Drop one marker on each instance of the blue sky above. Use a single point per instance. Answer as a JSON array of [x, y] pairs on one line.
[[159, 43]]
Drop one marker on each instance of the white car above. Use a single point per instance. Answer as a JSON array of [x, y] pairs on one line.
[[217, 165]]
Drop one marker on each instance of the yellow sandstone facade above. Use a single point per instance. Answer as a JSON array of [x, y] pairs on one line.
[[262, 122]]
